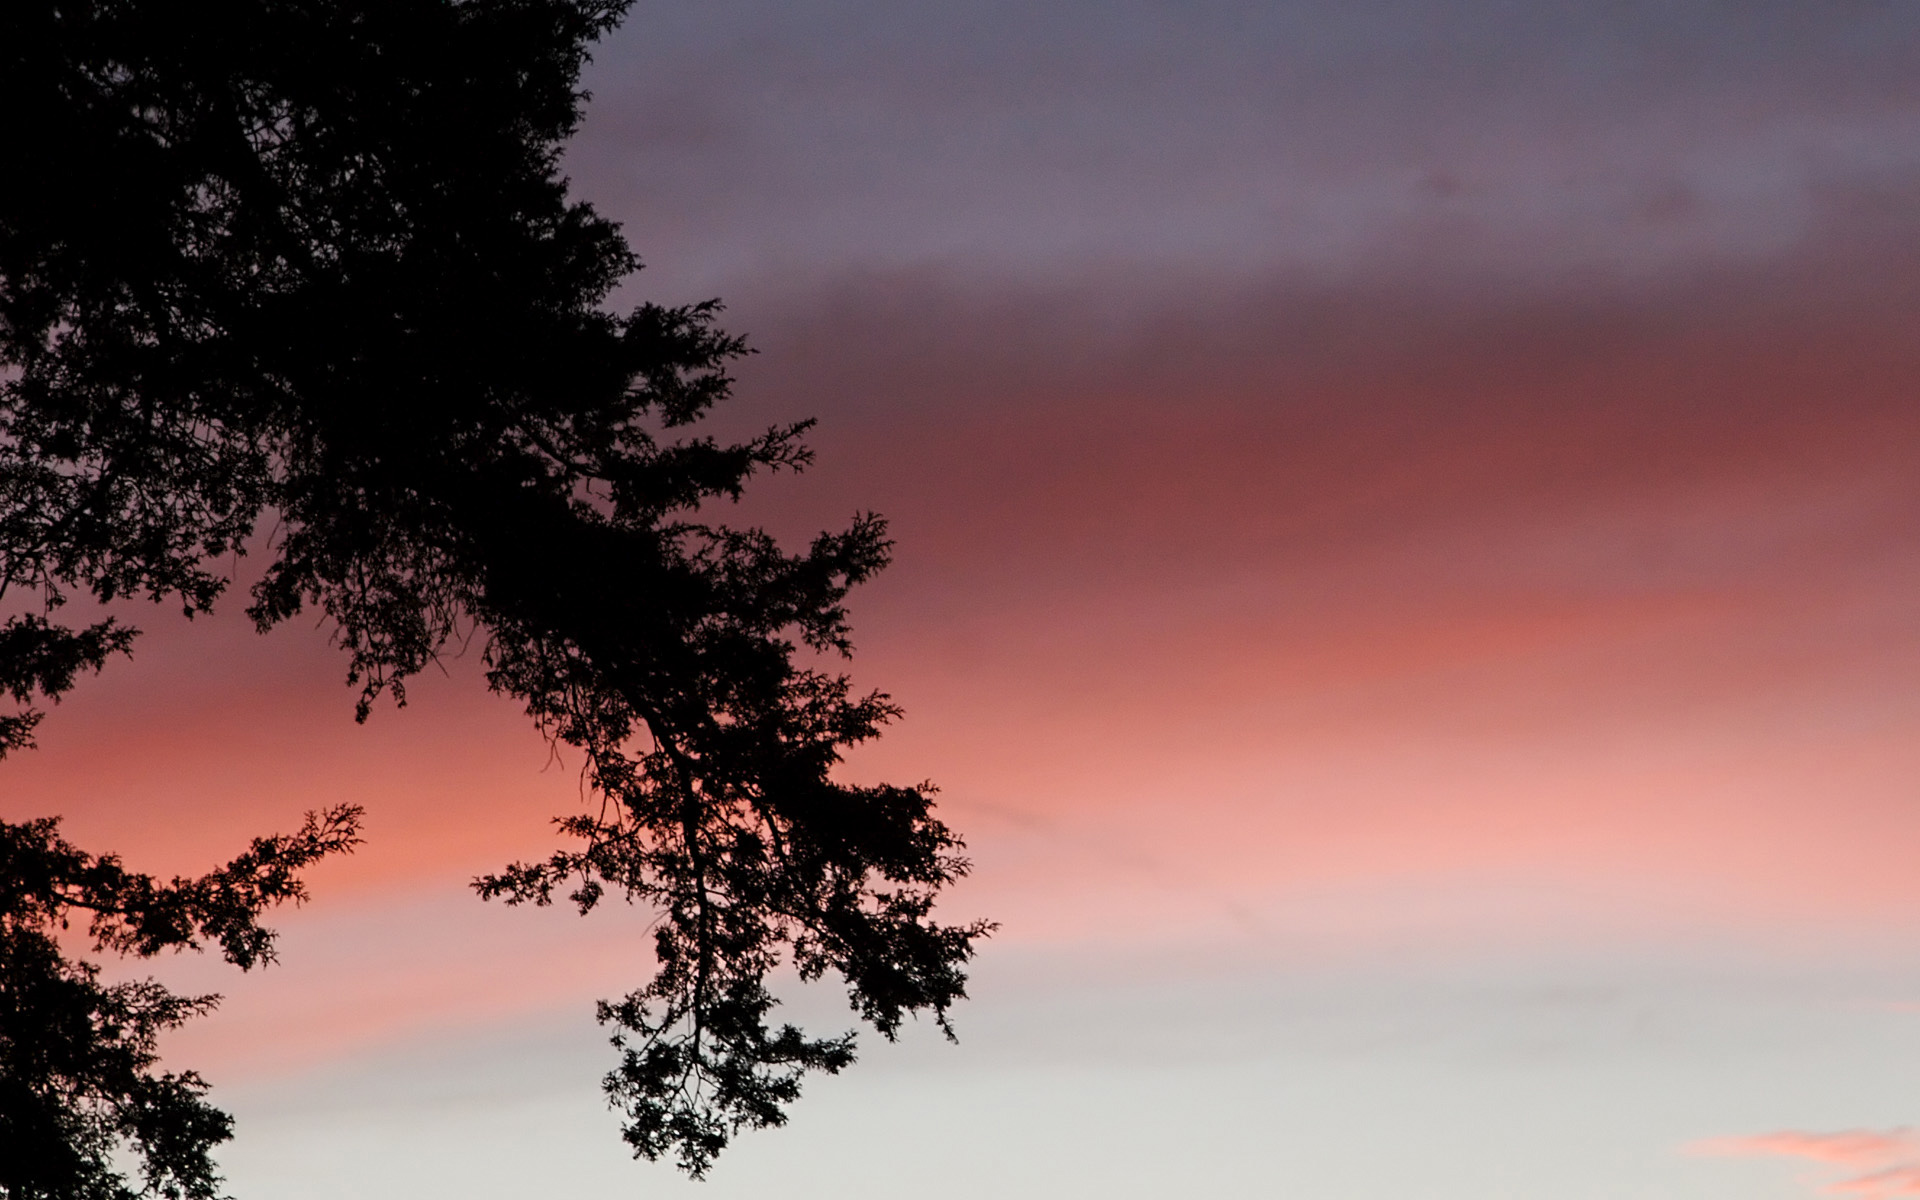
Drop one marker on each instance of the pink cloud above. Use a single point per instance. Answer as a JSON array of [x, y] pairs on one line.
[[1892, 1156], [1852, 1148], [1881, 1185]]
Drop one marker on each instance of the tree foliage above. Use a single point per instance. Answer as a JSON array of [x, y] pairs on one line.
[[77, 1056], [303, 275]]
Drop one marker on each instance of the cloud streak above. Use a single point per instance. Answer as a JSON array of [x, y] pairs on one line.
[[1880, 1185], [1850, 1148], [1889, 1160]]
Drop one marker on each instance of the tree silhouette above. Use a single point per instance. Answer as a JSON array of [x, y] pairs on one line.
[[314, 261]]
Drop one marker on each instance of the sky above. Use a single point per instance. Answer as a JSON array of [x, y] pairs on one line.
[[1408, 531]]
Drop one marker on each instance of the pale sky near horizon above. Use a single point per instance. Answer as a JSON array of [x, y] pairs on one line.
[[1408, 526]]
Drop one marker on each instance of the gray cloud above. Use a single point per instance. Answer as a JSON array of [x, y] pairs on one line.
[[744, 139]]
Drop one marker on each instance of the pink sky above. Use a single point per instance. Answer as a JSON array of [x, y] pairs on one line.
[[1593, 618], [1386, 488]]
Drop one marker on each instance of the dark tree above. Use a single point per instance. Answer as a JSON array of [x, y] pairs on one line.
[[76, 1055], [309, 266]]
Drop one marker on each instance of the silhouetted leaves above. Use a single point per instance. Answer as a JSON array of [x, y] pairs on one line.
[[315, 263], [77, 1056], [39, 658]]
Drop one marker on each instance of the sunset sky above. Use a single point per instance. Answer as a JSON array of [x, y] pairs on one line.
[[1407, 577]]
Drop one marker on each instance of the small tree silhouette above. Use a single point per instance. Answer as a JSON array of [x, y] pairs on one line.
[[315, 260], [77, 1056]]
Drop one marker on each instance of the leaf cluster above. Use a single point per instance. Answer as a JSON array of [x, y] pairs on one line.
[[78, 1056]]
